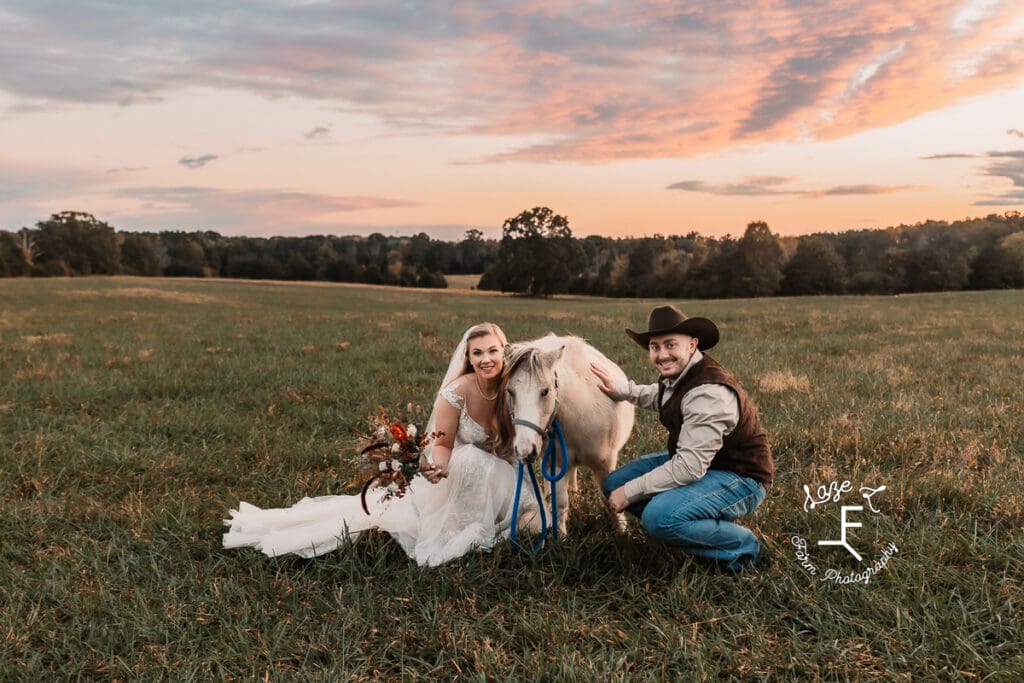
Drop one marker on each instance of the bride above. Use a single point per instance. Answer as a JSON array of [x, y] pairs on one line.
[[463, 501]]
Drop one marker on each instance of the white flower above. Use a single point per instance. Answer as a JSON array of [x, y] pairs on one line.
[[383, 466], [411, 430], [395, 465], [382, 432], [393, 487], [395, 447]]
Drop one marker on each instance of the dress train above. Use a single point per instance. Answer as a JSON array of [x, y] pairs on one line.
[[433, 523]]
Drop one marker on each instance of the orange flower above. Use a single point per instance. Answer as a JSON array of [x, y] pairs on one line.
[[398, 431]]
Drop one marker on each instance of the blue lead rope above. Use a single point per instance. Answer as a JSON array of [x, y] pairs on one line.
[[553, 476], [539, 543]]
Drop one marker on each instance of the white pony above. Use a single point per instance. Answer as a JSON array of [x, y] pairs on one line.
[[550, 377]]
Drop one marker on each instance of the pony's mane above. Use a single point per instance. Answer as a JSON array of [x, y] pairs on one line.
[[520, 355], [528, 353]]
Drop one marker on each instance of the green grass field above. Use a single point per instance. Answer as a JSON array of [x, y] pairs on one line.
[[135, 412]]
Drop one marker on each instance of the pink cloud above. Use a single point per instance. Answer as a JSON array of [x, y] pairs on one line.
[[708, 77], [270, 201], [620, 81], [251, 211], [774, 186]]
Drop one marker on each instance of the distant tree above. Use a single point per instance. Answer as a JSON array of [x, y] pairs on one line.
[[816, 268], [885, 272], [1000, 264], [76, 243], [640, 271], [470, 252], [324, 261], [441, 257], [432, 280], [641, 258], [396, 269], [15, 259], [598, 256], [298, 267], [373, 250], [758, 270], [1013, 246], [864, 251], [212, 244], [30, 252], [255, 265], [939, 259], [341, 269], [671, 269], [617, 283], [537, 255], [371, 274], [714, 276], [872, 282], [139, 254], [186, 256], [417, 251]]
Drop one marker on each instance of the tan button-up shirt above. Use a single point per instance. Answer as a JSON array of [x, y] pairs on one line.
[[710, 413]]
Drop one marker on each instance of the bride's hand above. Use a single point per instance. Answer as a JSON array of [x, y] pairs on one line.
[[433, 473]]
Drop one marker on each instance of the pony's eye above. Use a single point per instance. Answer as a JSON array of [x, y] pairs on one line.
[[544, 393]]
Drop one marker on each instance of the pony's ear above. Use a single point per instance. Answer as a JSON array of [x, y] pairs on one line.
[[511, 352], [549, 358]]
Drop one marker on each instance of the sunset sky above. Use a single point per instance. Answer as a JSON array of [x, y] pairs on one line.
[[269, 117]]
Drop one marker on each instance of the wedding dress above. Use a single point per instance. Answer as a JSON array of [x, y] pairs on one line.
[[433, 523]]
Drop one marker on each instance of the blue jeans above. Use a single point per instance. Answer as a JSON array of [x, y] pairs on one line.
[[698, 517]]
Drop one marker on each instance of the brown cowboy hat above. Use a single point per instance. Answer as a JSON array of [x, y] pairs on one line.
[[670, 320]]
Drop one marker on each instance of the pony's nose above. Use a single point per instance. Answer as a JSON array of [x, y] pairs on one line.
[[528, 458]]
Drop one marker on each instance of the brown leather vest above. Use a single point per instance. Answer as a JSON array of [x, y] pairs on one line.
[[745, 450]]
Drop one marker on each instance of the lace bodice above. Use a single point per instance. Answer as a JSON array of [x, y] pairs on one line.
[[470, 431]]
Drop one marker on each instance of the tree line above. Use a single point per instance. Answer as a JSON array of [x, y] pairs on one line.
[[538, 255], [74, 243]]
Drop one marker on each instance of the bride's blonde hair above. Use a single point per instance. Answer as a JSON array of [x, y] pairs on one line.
[[501, 440]]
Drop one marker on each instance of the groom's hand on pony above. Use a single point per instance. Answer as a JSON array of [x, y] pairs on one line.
[[607, 383]]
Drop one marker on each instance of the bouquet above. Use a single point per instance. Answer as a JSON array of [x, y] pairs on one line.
[[393, 452]]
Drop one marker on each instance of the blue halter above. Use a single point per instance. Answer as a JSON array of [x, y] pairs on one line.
[[553, 476]]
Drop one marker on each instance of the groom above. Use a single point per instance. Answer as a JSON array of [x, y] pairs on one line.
[[717, 466]]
